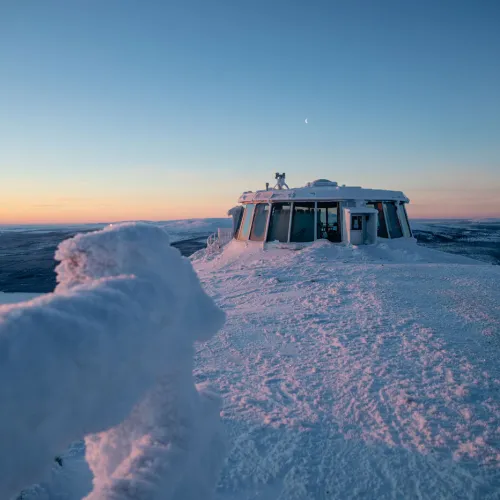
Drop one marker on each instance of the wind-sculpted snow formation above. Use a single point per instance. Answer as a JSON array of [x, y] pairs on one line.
[[109, 356]]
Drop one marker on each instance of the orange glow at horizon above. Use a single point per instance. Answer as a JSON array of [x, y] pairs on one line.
[[14, 210], [453, 204], [69, 203], [97, 215], [96, 211]]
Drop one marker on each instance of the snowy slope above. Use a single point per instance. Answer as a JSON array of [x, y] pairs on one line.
[[355, 372]]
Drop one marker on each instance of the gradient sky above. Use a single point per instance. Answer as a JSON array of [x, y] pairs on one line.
[[121, 109]]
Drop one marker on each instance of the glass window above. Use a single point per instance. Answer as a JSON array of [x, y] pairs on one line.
[[236, 213], [405, 222], [357, 222], [258, 232], [246, 222], [328, 221], [392, 220], [302, 222], [381, 225], [279, 223]]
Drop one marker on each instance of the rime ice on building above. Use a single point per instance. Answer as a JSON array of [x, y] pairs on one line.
[[320, 210]]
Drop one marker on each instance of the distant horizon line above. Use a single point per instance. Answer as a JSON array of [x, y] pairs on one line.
[[31, 224]]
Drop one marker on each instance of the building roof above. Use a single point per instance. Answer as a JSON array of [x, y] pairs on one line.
[[322, 190]]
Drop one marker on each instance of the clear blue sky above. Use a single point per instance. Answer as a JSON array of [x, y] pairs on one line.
[[120, 109]]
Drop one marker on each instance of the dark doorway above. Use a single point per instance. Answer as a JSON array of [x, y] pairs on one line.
[[329, 221]]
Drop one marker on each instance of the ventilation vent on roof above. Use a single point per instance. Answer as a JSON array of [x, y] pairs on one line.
[[321, 182]]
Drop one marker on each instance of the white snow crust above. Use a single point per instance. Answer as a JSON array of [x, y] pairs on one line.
[[344, 372], [109, 356], [355, 372]]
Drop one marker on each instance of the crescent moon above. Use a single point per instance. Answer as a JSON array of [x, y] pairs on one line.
[[306, 121]]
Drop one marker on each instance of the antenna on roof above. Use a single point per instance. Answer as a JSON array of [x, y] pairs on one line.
[[281, 181]]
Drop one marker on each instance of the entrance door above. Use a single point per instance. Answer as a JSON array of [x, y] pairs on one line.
[[329, 221]]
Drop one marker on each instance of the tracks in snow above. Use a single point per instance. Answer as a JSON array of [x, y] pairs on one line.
[[363, 379]]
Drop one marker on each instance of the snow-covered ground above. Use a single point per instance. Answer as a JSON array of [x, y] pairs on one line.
[[344, 372], [367, 372]]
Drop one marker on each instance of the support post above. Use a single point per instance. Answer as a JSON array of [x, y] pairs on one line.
[[386, 220], [290, 222], [268, 222], [315, 220]]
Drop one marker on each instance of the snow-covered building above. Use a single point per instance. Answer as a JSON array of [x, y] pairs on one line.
[[320, 210]]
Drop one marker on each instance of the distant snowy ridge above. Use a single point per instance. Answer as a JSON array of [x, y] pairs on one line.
[[177, 229], [109, 356]]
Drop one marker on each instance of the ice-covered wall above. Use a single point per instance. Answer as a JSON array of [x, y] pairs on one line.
[[109, 356]]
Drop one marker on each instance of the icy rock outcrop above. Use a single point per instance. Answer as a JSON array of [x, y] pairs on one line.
[[109, 356]]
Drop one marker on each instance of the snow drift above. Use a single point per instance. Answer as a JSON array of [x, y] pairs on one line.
[[109, 356]]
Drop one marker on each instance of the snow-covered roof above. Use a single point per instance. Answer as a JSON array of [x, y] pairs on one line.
[[322, 189]]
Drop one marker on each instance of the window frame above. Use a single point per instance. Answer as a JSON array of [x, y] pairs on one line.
[[243, 221], [238, 223], [380, 227], [266, 224], [338, 221], [305, 204], [359, 218], [386, 212], [270, 221], [405, 222]]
